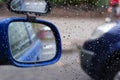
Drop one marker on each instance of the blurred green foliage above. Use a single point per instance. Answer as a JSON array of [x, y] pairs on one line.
[[65, 2], [96, 3], [102, 3], [3, 0]]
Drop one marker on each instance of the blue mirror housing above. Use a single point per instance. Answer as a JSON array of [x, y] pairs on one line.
[[6, 57]]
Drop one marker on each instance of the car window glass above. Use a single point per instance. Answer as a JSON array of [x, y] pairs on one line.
[[78, 21]]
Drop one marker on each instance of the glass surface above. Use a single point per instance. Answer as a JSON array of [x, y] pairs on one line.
[[29, 5], [31, 42], [76, 20]]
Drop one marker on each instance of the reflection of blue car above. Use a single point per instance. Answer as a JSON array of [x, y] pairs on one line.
[[32, 54], [100, 55]]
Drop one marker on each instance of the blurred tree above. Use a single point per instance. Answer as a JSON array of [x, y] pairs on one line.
[[2, 2], [66, 2], [90, 3]]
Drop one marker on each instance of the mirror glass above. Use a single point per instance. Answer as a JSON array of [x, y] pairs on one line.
[[29, 5], [31, 42]]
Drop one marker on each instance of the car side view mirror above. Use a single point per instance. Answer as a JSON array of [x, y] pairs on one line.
[[35, 43], [29, 6]]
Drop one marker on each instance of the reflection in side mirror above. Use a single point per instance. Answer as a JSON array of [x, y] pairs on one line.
[[37, 6], [31, 42]]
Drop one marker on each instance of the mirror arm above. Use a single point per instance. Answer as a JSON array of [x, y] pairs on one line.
[[31, 17]]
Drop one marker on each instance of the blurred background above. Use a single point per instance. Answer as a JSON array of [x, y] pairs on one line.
[[99, 6]]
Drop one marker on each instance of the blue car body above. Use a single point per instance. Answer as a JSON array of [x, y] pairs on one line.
[[32, 54], [97, 53]]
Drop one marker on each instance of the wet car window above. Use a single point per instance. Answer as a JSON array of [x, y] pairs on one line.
[[90, 41]]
